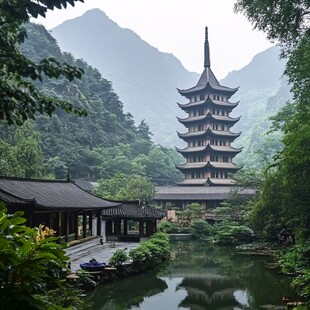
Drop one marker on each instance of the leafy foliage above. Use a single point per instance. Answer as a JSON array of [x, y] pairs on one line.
[[126, 187], [30, 261], [151, 252], [296, 260], [202, 229], [118, 258], [20, 99], [100, 145], [284, 195], [286, 21]]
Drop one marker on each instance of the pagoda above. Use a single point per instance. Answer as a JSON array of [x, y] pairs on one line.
[[209, 153]]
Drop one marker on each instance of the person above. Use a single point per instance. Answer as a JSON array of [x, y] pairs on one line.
[[93, 261]]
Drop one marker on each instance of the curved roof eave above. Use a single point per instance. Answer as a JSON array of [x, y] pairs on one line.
[[198, 89]]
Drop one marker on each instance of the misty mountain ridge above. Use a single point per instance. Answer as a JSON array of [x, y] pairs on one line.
[[146, 79]]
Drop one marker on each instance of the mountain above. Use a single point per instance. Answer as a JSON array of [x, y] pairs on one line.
[[144, 78], [263, 89], [102, 144], [257, 81]]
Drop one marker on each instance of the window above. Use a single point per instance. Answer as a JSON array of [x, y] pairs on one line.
[[225, 159], [214, 158]]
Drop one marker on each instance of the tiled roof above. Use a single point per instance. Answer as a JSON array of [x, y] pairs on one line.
[[226, 134], [195, 193], [49, 194], [207, 81], [133, 211], [192, 182], [151, 212], [197, 165], [223, 165], [220, 118], [224, 182], [208, 102], [196, 149], [213, 164]]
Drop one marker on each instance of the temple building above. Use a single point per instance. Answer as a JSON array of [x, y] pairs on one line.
[[209, 152]]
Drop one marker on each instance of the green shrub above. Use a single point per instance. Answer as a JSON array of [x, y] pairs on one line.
[[168, 227], [118, 258], [230, 233], [151, 252], [201, 229], [140, 256]]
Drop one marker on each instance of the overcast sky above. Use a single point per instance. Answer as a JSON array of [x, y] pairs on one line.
[[177, 27]]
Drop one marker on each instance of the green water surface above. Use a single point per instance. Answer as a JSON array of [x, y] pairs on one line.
[[199, 277]]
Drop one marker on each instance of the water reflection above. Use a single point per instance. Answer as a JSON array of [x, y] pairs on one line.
[[199, 277]]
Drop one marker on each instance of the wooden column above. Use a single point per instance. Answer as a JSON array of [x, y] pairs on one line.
[[99, 223], [84, 223], [67, 228], [76, 220], [125, 228], [59, 223], [141, 228], [90, 221]]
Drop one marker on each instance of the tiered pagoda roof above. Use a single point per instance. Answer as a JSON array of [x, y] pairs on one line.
[[213, 164], [208, 102], [209, 132], [209, 152], [209, 116], [207, 81], [214, 148]]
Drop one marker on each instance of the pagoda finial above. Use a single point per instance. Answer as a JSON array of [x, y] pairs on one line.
[[207, 50]]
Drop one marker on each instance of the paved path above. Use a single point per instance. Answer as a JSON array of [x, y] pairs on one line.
[[84, 252]]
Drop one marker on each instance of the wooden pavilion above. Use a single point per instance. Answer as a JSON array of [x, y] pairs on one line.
[[130, 221], [59, 204], [72, 212]]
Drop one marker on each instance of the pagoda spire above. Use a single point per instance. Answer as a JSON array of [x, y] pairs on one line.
[[207, 50]]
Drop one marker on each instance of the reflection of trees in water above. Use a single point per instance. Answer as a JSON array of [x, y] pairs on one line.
[[212, 275], [122, 294]]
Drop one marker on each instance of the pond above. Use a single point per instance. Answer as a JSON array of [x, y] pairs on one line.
[[198, 277]]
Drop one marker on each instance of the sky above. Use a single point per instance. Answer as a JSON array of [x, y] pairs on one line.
[[178, 27]]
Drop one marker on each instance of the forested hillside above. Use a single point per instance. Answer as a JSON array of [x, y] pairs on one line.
[[263, 90], [103, 143], [144, 78]]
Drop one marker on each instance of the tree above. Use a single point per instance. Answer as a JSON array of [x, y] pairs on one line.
[[19, 98], [286, 21], [28, 150], [9, 165], [284, 197], [126, 187]]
